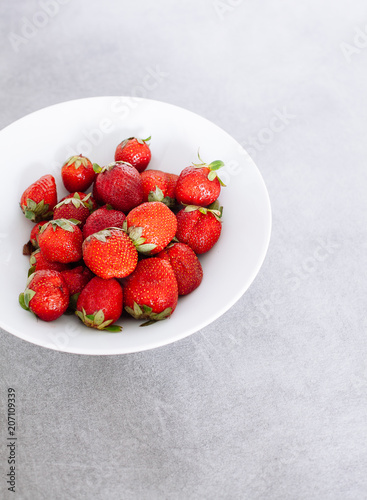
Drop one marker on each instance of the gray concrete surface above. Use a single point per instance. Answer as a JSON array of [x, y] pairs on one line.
[[269, 401]]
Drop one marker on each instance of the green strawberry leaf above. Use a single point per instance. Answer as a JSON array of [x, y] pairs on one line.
[[99, 317], [28, 296], [202, 162], [80, 315], [156, 195], [221, 182], [41, 207], [170, 202], [140, 141], [215, 165], [101, 235], [214, 206], [73, 300], [78, 160], [70, 161], [29, 214], [135, 233], [137, 309], [191, 208], [146, 248], [162, 315], [216, 209], [113, 328], [147, 310], [77, 203], [139, 312], [139, 242], [44, 227], [103, 325], [29, 279], [147, 323], [130, 311], [31, 205], [36, 211], [31, 270], [212, 175], [22, 302]]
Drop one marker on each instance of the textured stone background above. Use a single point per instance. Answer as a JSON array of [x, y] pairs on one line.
[[270, 400]]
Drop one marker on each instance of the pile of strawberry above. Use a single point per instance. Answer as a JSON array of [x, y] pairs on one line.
[[127, 247]]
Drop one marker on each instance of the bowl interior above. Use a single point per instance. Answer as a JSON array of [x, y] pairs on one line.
[[40, 143]]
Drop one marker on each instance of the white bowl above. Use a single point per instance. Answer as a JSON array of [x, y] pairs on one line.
[[39, 144]]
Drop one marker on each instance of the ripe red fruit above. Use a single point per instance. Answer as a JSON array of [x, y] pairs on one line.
[[119, 185], [151, 226], [100, 304], [35, 232], [185, 265], [150, 292], [102, 218], [73, 208], [171, 188], [199, 227], [110, 253], [38, 200], [77, 173], [77, 278], [38, 262], [134, 151], [159, 186], [46, 295], [199, 184], [61, 241]]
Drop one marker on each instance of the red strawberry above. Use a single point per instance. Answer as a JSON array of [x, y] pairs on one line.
[[38, 263], [96, 195], [159, 186], [46, 295], [61, 241], [153, 179], [199, 184], [119, 185], [186, 266], [88, 200], [32, 243], [73, 208], [150, 292], [39, 199], [134, 151], [110, 253], [151, 226], [77, 173], [77, 278], [103, 218], [100, 304], [199, 227], [35, 232], [171, 188]]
